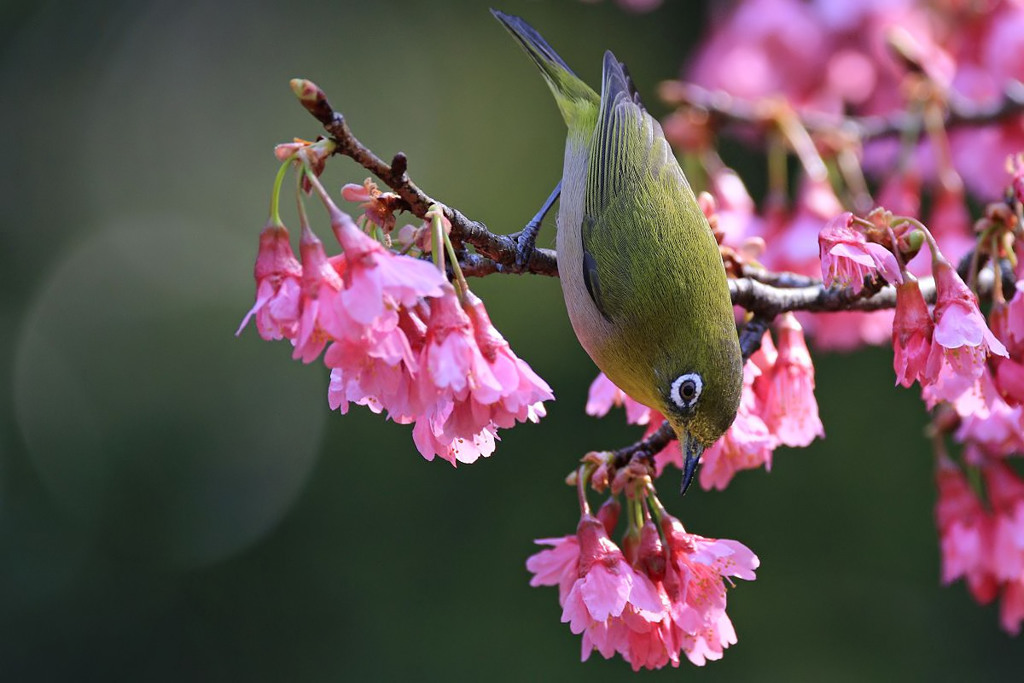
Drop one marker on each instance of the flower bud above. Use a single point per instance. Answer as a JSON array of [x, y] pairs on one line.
[[651, 553], [609, 514]]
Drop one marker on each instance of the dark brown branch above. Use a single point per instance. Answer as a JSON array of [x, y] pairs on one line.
[[779, 279], [724, 108], [647, 447], [500, 249]]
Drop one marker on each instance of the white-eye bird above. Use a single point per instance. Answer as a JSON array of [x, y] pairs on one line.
[[641, 273]]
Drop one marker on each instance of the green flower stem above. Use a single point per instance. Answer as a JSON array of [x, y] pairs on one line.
[[275, 196], [325, 196], [656, 507], [582, 479], [436, 237], [303, 216], [460, 279]]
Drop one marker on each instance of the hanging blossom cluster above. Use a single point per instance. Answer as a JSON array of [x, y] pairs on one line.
[[903, 227], [871, 99], [659, 594], [397, 336]]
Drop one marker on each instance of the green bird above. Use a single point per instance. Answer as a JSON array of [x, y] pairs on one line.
[[641, 272]]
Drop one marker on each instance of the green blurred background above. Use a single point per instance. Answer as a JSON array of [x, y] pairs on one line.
[[178, 504]]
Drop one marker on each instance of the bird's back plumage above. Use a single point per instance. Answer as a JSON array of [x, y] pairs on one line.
[[640, 268]]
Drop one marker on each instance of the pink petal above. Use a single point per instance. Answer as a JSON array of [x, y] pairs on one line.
[[605, 593]]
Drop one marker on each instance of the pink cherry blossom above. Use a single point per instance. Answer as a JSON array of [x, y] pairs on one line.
[[320, 287], [470, 382], [376, 278], [747, 444], [990, 423], [961, 341], [694, 582], [964, 533], [1006, 498], [670, 599], [378, 207], [433, 435], [1011, 607], [556, 566], [790, 409], [521, 391], [603, 395], [1010, 379], [607, 584], [452, 366], [378, 370], [315, 153], [847, 257], [613, 606], [911, 333], [958, 322], [278, 286]]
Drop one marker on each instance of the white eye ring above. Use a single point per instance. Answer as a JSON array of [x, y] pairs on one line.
[[691, 380]]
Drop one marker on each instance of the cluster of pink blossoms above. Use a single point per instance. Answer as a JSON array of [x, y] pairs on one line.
[[983, 542], [398, 337], [971, 372], [777, 408], [801, 70], [663, 593]]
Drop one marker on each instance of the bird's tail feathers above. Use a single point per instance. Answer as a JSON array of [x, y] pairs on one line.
[[570, 92]]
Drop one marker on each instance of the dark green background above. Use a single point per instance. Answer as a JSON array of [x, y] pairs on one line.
[[177, 504]]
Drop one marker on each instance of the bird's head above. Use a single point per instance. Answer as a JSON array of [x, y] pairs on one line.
[[699, 397]]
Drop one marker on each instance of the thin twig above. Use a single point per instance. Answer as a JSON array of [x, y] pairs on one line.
[[501, 249]]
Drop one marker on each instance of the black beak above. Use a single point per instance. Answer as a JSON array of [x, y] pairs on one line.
[[692, 450]]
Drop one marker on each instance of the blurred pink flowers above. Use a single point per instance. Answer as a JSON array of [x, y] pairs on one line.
[[984, 544]]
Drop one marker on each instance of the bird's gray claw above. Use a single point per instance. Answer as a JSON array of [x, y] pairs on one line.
[[526, 242]]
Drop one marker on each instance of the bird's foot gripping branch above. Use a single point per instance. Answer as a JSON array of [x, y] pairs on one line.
[[392, 316]]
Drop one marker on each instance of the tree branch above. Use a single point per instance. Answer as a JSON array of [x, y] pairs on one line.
[[768, 301], [760, 291], [763, 293], [499, 249], [725, 108]]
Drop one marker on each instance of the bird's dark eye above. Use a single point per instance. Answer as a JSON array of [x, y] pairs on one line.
[[686, 390]]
